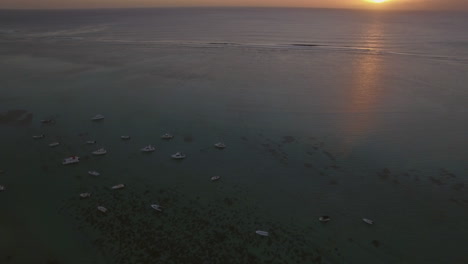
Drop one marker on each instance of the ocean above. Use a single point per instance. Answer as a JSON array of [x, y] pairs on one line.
[[350, 114]]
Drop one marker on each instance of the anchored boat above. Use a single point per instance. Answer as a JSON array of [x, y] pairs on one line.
[[220, 145], [100, 151], [85, 195], [94, 173], [178, 155], [156, 207], [118, 186], [148, 148], [71, 160], [167, 136], [262, 233], [97, 117]]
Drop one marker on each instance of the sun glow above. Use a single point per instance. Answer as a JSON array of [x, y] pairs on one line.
[[377, 1]]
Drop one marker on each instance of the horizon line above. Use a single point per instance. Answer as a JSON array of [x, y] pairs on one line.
[[233, 7]]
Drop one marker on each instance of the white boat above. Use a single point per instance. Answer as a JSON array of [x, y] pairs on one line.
[[2, 188], [54, 144], [368, 221], [156, 207], [220, 145], [38, 136], [91, 142], [100, 151], [262, 233], [97, 117], [324, 218], [71, 160], [94, 173], [148, 148], [215, 178], [178, 155], [118, 186], [167, 136], [125, 137], [85, 195], [102, 209]]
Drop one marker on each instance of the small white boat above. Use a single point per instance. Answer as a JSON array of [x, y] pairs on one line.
[[368, 221], [94, 173], [102, 209], [71, 160], [324, 218], [91, 142], [97, 117], [262, 233], [167, 136], [125, 137], [148, 148], [178, 155], [38, 136], [215, 178], [220, 145], [100, 151], [85, 195], [156, 207], [54, 144], [2, 188], [118, 186]]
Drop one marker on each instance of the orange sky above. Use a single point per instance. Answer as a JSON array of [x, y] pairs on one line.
[[391, 4]]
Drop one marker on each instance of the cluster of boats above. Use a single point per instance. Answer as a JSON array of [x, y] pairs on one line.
[[103, 209], [148, 148], [102, 151]]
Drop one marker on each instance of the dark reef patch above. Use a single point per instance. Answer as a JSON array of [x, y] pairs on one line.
[[187, 231], [288, 139], [16, 118], [376, 243]]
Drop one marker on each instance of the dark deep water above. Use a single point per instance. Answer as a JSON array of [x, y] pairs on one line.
[[325, 112]]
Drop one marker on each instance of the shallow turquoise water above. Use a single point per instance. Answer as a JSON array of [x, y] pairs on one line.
[[377, 132]]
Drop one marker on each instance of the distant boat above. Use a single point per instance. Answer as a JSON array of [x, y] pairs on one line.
[[178, 155], [47, 121], [215, 178], [94, 173], [125, 137], [148, 148], [262, 233], [97, 117], [118, 186], [2, 188], [71, 160], [38, 136], [100, 151], [167, 136], [85, 195], [102, 209], [54, 144], [91, 142], [156, 207], [368, 221], [220, 145], [324, 218]]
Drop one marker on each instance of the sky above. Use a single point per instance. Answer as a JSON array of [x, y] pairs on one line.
[[388, 5]]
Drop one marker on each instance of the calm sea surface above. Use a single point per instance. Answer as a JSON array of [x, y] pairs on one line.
[[349, 114]]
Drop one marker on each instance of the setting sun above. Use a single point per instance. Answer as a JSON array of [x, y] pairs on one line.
[[378, 1]]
